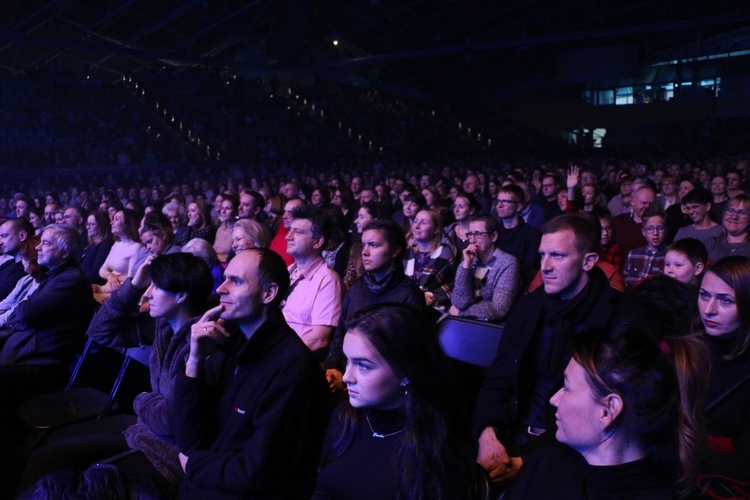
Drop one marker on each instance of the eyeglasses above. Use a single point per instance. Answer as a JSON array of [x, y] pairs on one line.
[[505, 202], [607, 229], [739, 213], [477, 234], [653, 229]]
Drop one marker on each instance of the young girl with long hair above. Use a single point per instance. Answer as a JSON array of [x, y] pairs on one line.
[[400, 435]]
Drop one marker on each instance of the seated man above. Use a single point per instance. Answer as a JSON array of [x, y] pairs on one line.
[[516, 237], [12, 235], [313, 304], [44, 332], [250, 409], [513, 404], [627, 226], [488, 279]]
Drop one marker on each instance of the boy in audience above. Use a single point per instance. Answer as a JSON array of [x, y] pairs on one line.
[[609, 251], [686, 260], [647, 261]]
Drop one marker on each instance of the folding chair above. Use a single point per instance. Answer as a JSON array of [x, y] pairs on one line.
[[76, 404]]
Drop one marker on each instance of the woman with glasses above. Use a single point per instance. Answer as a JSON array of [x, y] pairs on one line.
[[488, 279], [736, 240]]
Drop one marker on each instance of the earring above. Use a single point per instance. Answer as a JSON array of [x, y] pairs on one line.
[[405, 385]]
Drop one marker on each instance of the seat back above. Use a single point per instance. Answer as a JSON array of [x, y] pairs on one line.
[[138, 354], [469, 340]]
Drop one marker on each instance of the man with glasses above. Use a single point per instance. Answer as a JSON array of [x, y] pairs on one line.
[[515, 236], [488, 279], [648, 261], [548, 197], [668, 195]]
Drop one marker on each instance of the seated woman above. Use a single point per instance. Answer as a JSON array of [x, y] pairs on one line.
[[198, 224], [724, 306], [27, 284], [487, 280], [368, 212], [629, 413], [736, 238], [400, 435], [383, 248], [176, 287], [100, 241], [119, 262], [430, 262], [464, 207], [248, 233], [227, 216]]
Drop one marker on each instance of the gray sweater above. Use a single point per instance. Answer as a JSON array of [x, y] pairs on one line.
[[498, 293]]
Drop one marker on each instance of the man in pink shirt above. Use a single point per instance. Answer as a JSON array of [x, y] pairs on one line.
[[313, 305]]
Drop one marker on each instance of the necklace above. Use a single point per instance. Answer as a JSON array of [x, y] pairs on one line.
[[379, 435]]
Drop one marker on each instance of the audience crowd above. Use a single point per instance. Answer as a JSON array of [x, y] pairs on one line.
[[293, 314]]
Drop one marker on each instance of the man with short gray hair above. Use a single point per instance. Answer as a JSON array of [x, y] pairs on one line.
[[44, 333]]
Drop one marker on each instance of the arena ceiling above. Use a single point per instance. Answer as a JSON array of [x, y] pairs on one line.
[[456, 51]]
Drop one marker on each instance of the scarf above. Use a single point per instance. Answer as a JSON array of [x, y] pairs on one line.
[[388, 283], [563, 316]]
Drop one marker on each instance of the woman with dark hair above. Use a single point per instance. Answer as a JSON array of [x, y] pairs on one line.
[[400, 435], [464, 207], [368, 212], [28, 283], [724, 306], [176, 286], [98, 229], [227, 217], [344, 198], [383, 250], [412, 203], [198, 223], [275, 210], [36, 217], [119, 263], [319, 197], [629, 411]]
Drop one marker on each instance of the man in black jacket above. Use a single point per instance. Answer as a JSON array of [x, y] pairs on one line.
[[45, 331], [12, 235], [250, 410], [513, 404]]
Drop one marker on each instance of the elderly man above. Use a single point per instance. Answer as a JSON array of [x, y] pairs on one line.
[[251, 405], [44, 332], [627, 227], [512, 406], [313, 305]]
